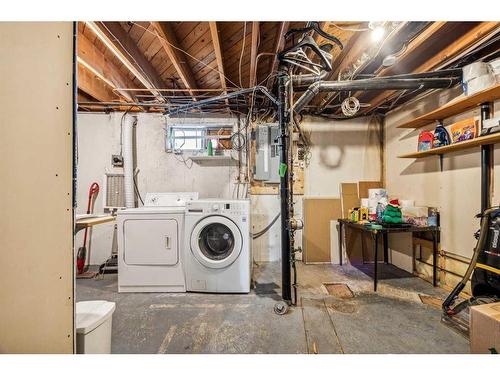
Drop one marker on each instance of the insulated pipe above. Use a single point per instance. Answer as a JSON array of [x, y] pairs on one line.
[[387, 83], [128, 160]]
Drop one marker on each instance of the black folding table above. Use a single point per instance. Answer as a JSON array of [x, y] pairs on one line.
[[384, 232]]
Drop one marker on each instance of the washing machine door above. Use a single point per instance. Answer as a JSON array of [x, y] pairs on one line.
[[216, 241]]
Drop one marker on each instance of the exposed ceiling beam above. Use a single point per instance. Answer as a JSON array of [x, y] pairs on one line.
[[93, 59], [117, 40], [168, 40], [94, 87], [218, 56], [253, 53], [279, 43], [474, 35]]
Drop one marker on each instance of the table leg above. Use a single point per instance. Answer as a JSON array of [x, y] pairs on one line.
[[375, 264], [340, 242], [386, 248], [434, 258]]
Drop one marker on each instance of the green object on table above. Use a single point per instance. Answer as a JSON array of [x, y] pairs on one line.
[[210, 150], [282, 170], [392, 215]]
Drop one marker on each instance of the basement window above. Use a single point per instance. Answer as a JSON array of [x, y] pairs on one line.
[[186, 138]]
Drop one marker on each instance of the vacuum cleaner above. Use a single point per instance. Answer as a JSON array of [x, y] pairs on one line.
[[485, 270]]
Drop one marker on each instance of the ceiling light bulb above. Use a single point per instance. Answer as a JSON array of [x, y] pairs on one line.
[[378, 34]]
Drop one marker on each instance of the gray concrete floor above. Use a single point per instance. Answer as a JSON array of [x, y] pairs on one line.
[[392, 320]]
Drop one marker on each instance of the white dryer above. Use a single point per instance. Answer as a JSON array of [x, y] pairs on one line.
[[218, 257], [150, 240]]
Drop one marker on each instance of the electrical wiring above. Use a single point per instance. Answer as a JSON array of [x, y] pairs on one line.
[[187, 53], [350, 106], [242, 50]]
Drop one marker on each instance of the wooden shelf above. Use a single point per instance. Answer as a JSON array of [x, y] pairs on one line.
[[486, 140], [454, 107], [215, 159]]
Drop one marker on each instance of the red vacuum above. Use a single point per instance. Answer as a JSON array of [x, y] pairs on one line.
[[81, 255]]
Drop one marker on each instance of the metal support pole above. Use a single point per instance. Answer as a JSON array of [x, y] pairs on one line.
[[286, 289], [486, 164]]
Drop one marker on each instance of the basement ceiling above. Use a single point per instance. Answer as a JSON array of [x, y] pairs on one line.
[[173, 63]]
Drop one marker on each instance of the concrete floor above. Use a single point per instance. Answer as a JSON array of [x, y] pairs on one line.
[[393, 320]]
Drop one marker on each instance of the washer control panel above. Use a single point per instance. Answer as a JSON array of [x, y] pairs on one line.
[[219, 207]]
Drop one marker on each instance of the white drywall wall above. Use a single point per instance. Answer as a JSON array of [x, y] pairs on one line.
[[341, 151], [455, 190]]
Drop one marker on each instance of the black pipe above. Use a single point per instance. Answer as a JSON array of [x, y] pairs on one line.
[[286, 290], [386, 83], [486, 163]]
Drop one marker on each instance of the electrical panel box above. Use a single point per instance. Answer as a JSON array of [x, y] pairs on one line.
[[267, 158]]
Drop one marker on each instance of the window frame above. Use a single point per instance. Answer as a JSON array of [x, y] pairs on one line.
[[203, 137]]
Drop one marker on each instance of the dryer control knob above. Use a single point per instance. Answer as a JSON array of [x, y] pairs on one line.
[[215, 207]]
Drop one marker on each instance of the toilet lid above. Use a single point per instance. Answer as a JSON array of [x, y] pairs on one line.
[[91, 314]]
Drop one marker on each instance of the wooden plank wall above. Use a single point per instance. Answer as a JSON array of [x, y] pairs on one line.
[[36, 169]]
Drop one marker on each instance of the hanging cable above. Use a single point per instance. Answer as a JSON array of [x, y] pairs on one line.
[[266, 229], [242, 50]]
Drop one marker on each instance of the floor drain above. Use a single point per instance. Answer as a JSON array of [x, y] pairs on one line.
[[339, 290]]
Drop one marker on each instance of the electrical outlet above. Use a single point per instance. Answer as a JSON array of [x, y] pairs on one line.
[[117, 160]]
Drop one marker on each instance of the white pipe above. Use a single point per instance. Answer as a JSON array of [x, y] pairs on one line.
[[128, 160]]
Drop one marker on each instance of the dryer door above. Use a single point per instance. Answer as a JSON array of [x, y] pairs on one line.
[[216, 241], [151, 242]]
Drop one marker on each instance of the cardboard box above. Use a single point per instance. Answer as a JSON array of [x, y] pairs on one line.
[[485, 328]]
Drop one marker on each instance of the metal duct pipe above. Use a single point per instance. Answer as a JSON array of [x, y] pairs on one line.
[[307, 79], [128, 160], [387, 83], [201, 103]]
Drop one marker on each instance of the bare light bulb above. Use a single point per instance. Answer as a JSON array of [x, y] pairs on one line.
[[377, 34]]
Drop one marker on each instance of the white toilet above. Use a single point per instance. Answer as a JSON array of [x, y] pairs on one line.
[[93, 327]]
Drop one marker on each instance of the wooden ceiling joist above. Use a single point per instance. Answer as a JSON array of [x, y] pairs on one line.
[[93, 59], [168, 40], [218, 55], [93, 86], [125, 49], [279, 43]]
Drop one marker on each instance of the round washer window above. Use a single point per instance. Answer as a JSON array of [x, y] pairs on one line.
[[216, 241]]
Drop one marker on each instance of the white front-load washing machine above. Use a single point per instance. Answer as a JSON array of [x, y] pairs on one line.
[[150, 244], [218, 256]]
